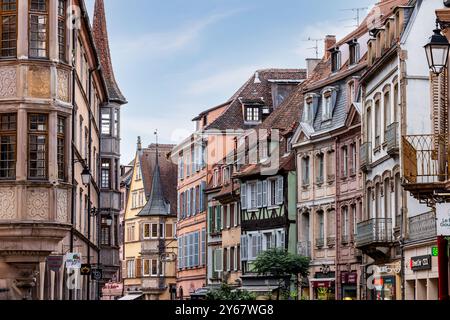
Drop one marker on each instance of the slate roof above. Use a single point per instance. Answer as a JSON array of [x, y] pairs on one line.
[[160, 179], [232, 117], [100, 35]]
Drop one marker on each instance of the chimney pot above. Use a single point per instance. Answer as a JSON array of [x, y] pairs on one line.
[[330, 42]]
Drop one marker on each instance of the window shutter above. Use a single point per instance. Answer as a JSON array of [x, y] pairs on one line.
[[138, 267], [279, 195], [228, 208], [185, 251], [264, 195], [194, 202], [196, 248], [202, 196], [210, 219], [203, 247], [259, 239], [219, 260], [283, 239], [243, 196], [188, 204], [218, 218], [259, 191], [244, 248]]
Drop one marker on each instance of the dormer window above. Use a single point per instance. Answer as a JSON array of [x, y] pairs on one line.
[[327, 106], [252, 114], [335, 60], [354, 52], [308, 113]]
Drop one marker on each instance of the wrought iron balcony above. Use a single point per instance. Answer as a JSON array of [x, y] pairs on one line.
[[425, 162], [365, 156], [392, 139], [304, 248], [376, 231], [422, 227]]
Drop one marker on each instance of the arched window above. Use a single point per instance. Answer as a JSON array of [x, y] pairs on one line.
[[369, 124], [387, 198], [377, 201], [387, 109], [320, 229], [320, 168], [396, 105], [398, 200], [377, 123], [305, 171], [345, 224], [369, 210]]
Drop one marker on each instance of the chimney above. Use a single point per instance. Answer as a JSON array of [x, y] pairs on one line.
[[139, 144], [311, 64], [330, 42]]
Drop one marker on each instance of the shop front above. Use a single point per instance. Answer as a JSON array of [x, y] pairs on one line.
[[349, 285], [324, 288], [384, 282]]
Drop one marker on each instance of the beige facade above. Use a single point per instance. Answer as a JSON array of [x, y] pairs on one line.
[[42, 194]]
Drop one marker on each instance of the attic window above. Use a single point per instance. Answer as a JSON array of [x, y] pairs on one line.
[[335, 60], [354, 52], [308, 114], [252, 114]]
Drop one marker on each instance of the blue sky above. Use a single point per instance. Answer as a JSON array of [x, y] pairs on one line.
[[175, 58]]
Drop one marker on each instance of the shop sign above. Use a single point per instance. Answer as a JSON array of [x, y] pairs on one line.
[[420, 263], [86, 269], [73, 261], [443, 219], [323, 284], [435, 251], [349, 277], [390, 268], [55, 263], [97, 274]]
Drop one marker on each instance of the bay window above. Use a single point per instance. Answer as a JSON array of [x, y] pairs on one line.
[[38, 28], [8, 13], [61, 147], [106, 122], [8, 131], [62, 30], [37, 146], [106, 174]]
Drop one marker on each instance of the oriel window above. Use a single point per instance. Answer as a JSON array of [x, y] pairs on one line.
[[61, 148], [8, 131], [106, 174], [37, 146], [38, 29], [62, 30], [8, 12], [106, 122]]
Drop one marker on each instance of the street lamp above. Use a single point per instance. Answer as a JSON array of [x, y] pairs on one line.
[[437, 51], [86, 176]]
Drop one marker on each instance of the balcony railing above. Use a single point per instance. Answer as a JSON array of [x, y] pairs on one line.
[[422, 227], [304, 248], [366, 156], [425, 158], [374, 231], [392, 139], [331, 241], [320, 242]]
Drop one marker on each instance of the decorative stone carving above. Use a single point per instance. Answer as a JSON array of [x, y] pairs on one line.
[[7, 204], [38, 204], [39, 82], [62, 205], [63, 85], [8, 82]]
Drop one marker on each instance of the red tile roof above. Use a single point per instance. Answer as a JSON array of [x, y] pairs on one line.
[[100, 34]]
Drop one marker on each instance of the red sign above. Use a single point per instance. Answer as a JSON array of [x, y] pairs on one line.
[[323, 284], [352, 278]]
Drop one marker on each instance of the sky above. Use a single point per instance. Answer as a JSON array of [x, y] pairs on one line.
[[175, 58]]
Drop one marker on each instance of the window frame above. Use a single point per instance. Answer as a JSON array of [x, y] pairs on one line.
[[14, 15], [12, 134], [47, 27], [36, 133]]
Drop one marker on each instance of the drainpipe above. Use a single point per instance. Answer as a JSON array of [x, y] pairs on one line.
[[74, 115], [337, 221]]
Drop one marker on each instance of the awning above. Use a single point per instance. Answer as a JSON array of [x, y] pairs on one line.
[[259, 288], [323, 283], [131, 297]]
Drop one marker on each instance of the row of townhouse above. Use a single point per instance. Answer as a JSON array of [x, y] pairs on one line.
[[345, 162]]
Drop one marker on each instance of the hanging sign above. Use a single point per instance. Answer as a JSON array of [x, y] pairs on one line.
[[73, 261], [443, 219]]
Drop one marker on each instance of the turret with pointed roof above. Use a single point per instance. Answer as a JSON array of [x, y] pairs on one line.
[[100, 33]]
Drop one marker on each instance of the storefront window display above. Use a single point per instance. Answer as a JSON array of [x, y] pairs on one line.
[[384, 288]]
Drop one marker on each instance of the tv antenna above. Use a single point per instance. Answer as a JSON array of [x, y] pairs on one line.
[[357, 12], [316, 46]]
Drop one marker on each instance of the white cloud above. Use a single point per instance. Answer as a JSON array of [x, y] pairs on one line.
[[221, 81], [160, 44]]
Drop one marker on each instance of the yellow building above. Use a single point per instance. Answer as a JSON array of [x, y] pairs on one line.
[[150, 246]]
